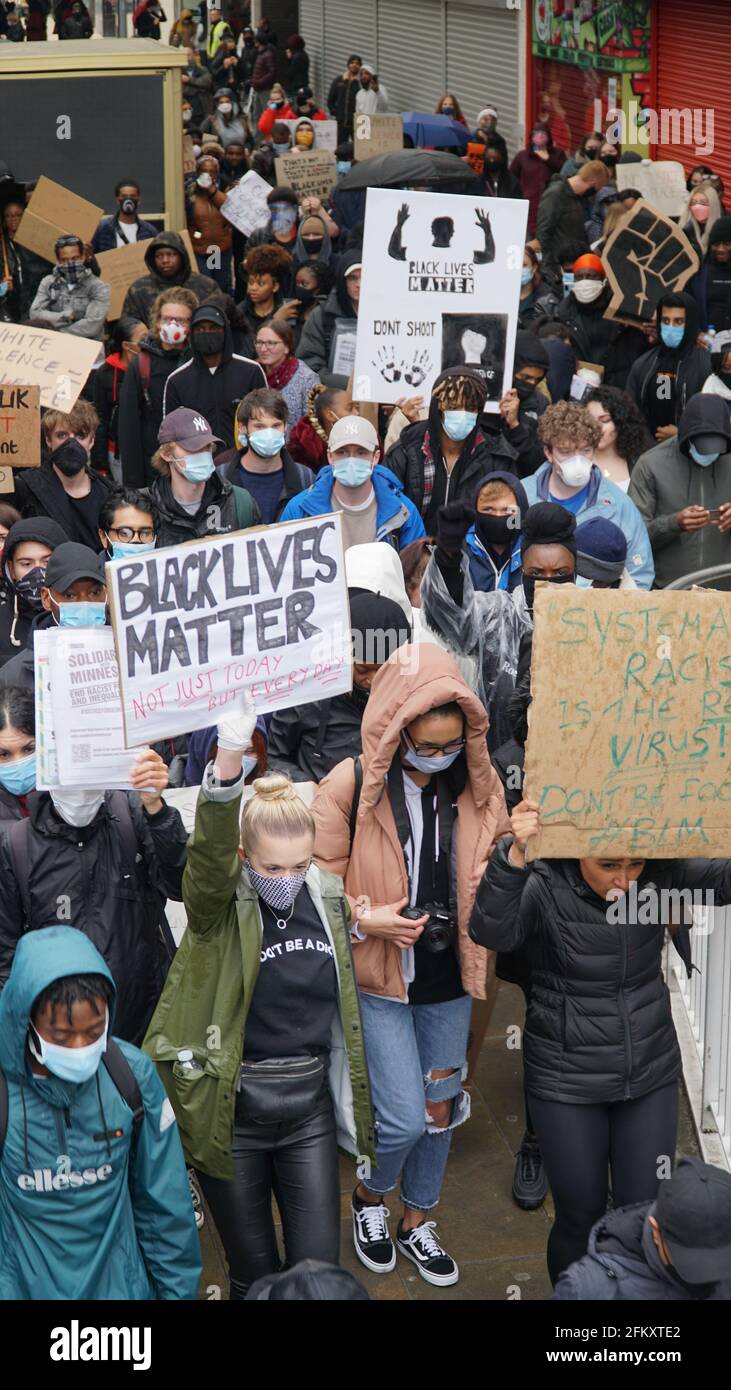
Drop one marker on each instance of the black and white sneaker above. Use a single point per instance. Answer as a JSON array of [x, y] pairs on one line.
[[373, 1244], [196, 1199], [422, 1247]]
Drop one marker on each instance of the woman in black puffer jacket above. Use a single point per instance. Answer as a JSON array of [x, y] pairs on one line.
[[601, 1055]]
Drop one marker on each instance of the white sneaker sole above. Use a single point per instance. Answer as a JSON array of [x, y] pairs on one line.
[[371, 1264], [441, 1280]]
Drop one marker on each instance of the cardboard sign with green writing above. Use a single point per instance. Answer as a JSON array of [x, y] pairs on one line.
[[311, 173], [55, 211], [377, 135], [20, 426], [629, 749]]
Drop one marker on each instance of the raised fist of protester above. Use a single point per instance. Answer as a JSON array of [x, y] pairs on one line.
[[525, 822], [236, 726], [453, 523], [150, 778]]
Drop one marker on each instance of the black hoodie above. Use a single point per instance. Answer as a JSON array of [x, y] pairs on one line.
[[214, 395], [143, 292], [140, 408], [316, 342], [16, 615], [686, 366]]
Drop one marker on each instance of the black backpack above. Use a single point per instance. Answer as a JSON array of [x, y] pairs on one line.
[[121, 1074]]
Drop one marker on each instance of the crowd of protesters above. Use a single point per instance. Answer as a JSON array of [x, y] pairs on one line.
[[399, 887]]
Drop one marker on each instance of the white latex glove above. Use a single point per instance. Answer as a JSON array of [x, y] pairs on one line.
[[236, 728]]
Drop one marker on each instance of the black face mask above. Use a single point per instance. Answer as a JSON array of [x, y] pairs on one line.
[[28, 588], [525, 389], [609, 160], [529, 586], [313, 245], [494, 165], [496, 530], [70, 457], [207, 344], [305, 296]]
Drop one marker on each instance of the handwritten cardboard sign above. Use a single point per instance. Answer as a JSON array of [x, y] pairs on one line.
[[311, 173], [246, 204], [660, 181], [377, 135], [20, 426], [121, 267], [645, 258], [55, 211], [195, 624], [58, 363], [627, 752]]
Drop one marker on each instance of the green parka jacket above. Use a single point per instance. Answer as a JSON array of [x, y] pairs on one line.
[[208, 991]]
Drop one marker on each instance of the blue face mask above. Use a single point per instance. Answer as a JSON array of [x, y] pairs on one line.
[[526, 275], [198, 467], [672, 334], [703, 460], [267, 442], [281, 147], [82, 614], [568, 281], [459, 423], [344, 166], [351, 472], [437, 763], [19, 777], [120, 551], [77, 1064]]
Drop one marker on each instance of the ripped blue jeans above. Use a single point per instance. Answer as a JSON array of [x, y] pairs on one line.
[[405, 1043]]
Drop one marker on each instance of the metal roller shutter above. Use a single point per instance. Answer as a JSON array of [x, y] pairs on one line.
[[349, 28], [482, 63], [693, 64], [312, 29], [411, 53]]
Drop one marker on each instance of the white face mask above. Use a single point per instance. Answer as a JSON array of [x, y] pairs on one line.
[[575, 471], [586, 291], [77, 805], [204, 181]]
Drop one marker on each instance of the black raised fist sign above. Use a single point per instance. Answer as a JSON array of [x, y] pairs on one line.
[[646, 258]]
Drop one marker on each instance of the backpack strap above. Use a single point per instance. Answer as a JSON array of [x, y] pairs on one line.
[[357, 789], [3, 1110], [18, 837], [121, 1073], [244, 511], [144, 367], [120, 809]]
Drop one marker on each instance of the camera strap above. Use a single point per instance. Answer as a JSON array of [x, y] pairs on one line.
[[438, 871]]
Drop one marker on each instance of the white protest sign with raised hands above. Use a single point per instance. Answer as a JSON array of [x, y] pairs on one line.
[[264, 609], [440, 287]]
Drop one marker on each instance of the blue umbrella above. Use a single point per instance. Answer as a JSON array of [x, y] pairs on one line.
[[427, 129]]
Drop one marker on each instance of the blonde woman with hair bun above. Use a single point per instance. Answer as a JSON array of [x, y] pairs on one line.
[[257, 1035]]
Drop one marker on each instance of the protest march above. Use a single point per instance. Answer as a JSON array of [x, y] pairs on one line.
[[365, 653]]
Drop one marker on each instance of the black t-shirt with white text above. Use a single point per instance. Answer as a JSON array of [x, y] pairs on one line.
[[296, 991]]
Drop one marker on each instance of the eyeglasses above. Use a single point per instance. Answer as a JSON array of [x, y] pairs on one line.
[[268, 343], [144, 535], [433, 750]]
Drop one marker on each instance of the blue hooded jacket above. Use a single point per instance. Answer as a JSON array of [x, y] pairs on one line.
[[605, 499], [485, 574], [397, 519], [79, 1216]]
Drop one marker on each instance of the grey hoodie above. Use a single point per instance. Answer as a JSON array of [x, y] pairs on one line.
[[666, 479]]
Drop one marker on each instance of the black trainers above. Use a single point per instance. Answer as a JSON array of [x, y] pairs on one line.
[[373, 1244], [422, 1247], [530, 1183]]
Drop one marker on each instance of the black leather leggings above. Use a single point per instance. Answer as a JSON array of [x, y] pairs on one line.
[[297, 1163]]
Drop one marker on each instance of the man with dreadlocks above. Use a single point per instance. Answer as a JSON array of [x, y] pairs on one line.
[[442, 458], [112, 1218]]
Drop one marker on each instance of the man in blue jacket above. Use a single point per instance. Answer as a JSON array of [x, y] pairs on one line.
[[125, 228], [571, 478], [368, 496], [94, 1197]]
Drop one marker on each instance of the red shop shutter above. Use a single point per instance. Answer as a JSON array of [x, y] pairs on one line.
[[693, 40]]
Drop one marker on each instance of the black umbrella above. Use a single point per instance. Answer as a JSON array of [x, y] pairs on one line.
[[429, 169]]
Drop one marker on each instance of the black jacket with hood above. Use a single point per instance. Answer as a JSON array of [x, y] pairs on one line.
[[690, 364], [308, 741], [90, 868], [39, 492], [614, 346], [599, 1027], [295, 476], [666, 479], [214, 395], [317, 336], [143, 292], [17, 615], [20, 669], [232, 508], [140, 409], [481, 453]]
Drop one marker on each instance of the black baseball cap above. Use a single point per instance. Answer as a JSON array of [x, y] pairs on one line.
[[72, 561], [693, 1211], [710, 443]]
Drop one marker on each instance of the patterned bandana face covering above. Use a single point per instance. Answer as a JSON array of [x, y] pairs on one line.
[[278, 891]]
